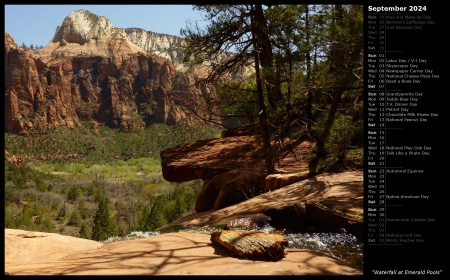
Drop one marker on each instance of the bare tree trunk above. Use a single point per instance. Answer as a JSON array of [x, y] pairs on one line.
[[319, 150], [308, 69], [266, 57], [270, 167]]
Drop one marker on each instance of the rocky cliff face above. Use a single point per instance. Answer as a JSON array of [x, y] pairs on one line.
[[82, 26], [93, 71], [163, 45]]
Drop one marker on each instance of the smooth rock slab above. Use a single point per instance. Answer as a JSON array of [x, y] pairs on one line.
[[180, 253]]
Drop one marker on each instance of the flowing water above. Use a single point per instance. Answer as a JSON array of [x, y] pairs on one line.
[[343, 246]]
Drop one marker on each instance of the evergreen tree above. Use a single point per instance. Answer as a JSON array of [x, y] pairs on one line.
[[157, 217], [154, 216], [144, 221], [104, 225], [74, 193], [84, 231], [75, 219]]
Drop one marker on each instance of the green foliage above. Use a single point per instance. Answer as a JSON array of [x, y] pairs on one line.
[[62, 212], [77, 191], [10, 221], [85, 232], [75, 219], [23, 177], [81, 147], [82, 209], [341, 135], [144, 223], [310, 60], [149, 190], [354, 159], [239, 99], [74, 193], [339, 144], [156, 218], [12, 194], [47, 225], [104, 224], [169, 205]]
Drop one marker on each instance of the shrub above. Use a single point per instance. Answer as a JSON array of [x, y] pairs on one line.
[[74, 193], [75, 219]]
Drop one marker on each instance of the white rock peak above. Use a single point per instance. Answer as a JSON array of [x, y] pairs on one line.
[[82, 26]]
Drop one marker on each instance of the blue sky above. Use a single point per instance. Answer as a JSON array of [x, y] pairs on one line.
[[36, 24]]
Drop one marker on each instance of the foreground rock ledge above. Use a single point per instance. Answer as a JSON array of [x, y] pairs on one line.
[[252, 245], [180, 253]]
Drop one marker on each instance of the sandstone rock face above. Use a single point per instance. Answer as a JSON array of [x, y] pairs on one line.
[[80, 26], [94, 71], [276, 181], [232, 168], [324, 203], [13, 159], [233, 173], [64, 91], [163, 45], [36, 95], [83, 27], [210, 157], [91, 71], [229, 188]]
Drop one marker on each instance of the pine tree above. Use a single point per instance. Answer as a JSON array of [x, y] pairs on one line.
[[84, 231], [104, 225], [75, 219]]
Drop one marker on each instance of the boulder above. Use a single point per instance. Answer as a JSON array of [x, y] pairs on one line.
[[251, 244]]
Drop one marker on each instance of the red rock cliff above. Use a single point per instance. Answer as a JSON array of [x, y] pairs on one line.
[[92, 71]]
